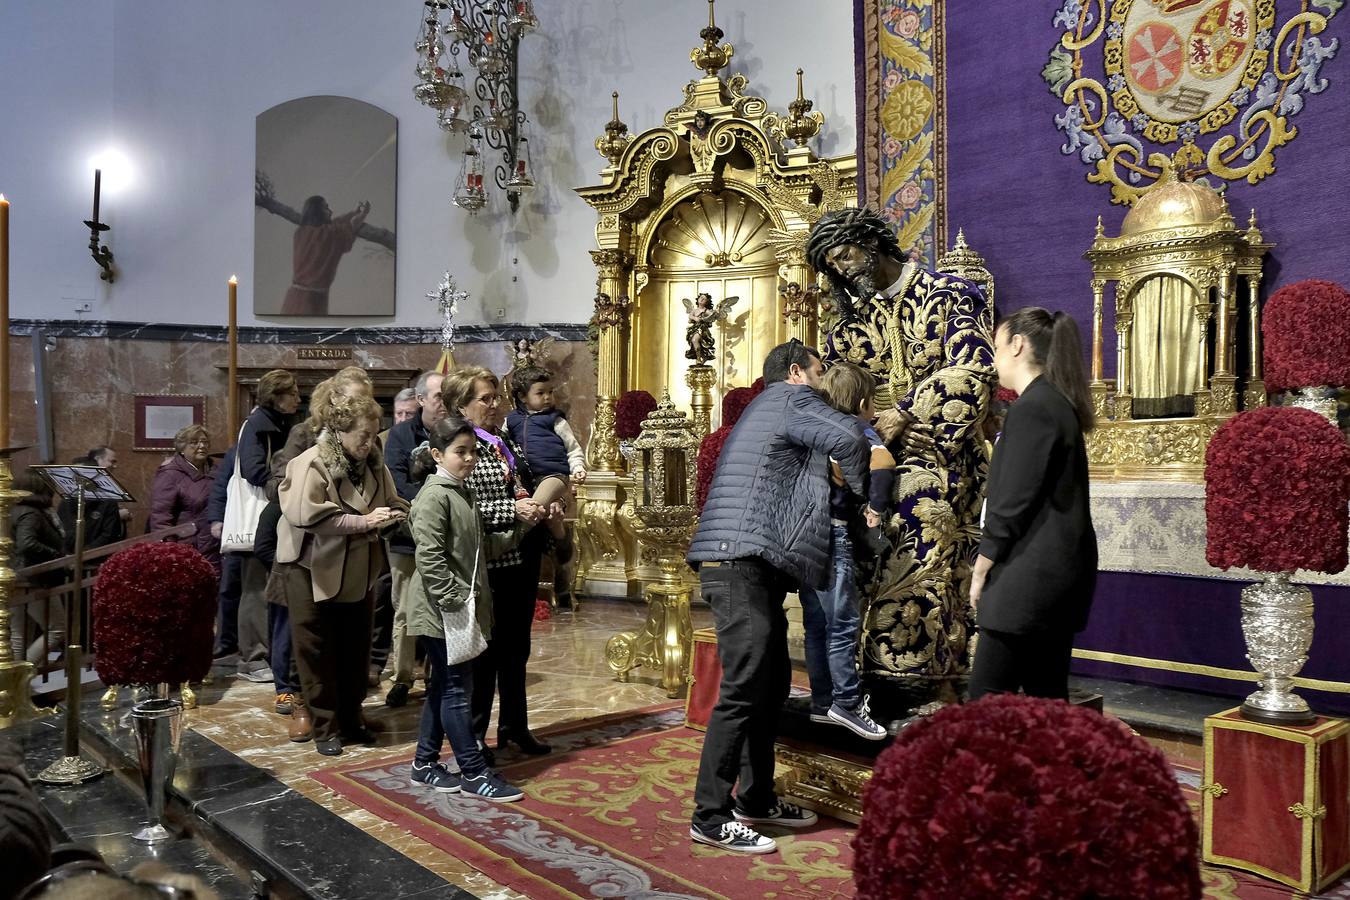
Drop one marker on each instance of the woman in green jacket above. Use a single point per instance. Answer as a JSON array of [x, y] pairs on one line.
[[450, 612]]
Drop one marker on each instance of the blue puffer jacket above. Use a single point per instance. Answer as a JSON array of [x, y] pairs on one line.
[[542, 446], [770, 494]]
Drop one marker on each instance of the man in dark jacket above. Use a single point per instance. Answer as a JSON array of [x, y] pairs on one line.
[[404, 439], [105, 521], [765, 530]]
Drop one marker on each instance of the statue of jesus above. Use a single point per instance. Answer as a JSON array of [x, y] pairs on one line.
[[928, 338]]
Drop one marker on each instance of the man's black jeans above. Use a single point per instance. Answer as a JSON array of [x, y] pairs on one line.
[[746, 596]]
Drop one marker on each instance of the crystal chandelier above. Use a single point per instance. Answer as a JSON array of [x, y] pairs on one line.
[[486, 33]]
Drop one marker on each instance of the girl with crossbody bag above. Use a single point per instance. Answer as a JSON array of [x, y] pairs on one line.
[[450, 612]]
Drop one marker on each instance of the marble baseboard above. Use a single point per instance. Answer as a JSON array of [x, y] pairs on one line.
[[257, 334]]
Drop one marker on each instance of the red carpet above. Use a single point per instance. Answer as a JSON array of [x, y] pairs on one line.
[[607, 815]]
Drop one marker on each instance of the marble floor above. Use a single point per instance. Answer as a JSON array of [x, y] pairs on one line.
[[568, 680]]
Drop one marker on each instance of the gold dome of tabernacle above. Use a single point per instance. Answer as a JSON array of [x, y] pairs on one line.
[[1172, 203]]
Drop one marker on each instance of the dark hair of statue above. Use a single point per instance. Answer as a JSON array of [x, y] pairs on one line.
[[782, 358], [443, 433], [524, 379], [860, 226], [313, 212], [1057, 347]]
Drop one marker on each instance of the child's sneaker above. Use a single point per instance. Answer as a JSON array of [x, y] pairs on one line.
[[857, 721], [435, 776], [733, 836], [490, 786], [783, 813], [820, 715]]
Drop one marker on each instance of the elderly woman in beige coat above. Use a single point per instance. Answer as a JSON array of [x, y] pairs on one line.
[[335, 499]]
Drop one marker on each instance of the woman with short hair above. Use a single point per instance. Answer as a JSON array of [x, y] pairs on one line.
[[335, 499], [38, 538], [502, 486], [181, 491]]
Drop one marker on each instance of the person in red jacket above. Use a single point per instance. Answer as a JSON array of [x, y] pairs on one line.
[[181, 490]]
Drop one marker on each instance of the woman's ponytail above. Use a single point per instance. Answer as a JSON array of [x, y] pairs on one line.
[[1057, 348]]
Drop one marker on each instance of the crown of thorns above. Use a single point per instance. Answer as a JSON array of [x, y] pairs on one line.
[[849, 226]]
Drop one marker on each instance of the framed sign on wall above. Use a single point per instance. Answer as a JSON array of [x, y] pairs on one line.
[[161, 416]]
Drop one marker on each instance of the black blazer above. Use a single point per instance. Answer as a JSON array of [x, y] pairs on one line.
[[1037, 525]]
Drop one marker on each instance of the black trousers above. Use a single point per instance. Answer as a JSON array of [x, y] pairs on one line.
[[1037, 664], [500, 669], [382, 632], [332, 653], [746, 596]]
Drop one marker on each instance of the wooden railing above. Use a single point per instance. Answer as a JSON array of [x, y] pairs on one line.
[[46, 605]]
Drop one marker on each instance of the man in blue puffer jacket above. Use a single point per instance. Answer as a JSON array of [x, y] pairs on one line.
[[765, 530]]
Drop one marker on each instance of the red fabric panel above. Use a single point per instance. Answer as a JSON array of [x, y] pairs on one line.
[[707, 672], [1335, 828], [1252, 822]]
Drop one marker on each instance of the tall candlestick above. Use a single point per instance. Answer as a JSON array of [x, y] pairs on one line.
[[98, 189], [233, 417], [4, 321]]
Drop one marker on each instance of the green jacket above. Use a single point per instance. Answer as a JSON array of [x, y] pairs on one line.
[[448, 532]]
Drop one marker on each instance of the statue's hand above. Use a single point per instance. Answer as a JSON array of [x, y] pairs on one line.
[[915, 437], [890, 423], [918, 439]]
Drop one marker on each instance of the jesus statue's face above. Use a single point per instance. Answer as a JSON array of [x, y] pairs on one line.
[[857, 265]]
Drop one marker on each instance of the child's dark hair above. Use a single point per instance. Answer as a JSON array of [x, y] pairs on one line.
[[444, 432], [524, 379]]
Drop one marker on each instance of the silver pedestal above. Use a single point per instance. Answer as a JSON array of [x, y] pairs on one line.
[[1277, 623], [159, 726]]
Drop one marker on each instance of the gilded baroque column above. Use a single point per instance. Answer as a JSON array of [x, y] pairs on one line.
[[799, 297], [1098, 288], [1222, 385], [1255, 395], [1124, 399], [611, 315]]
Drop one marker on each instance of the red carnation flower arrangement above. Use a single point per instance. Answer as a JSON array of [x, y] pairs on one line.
[[154, 612], [733, 404], [1019, 798], [1306, 335], [1277, 485], [633, 407]]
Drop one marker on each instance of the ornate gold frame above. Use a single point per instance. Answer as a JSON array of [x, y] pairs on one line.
[[719, 138]]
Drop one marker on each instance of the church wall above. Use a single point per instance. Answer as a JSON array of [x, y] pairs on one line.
[[182, 85], [1029, 208]]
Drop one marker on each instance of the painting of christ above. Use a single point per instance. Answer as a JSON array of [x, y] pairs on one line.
[[324, 195]]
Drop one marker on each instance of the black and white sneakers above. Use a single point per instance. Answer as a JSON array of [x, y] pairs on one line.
[[435, 776], [782, 813], [733, 836], [490, 786]]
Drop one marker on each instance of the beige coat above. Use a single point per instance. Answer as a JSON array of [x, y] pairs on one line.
[[342, 566]]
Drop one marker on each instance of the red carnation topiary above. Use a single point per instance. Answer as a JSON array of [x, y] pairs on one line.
[[154, 615], [1019, 798], [733, 404], [633, 407], [1306, 332], [1277, 484]]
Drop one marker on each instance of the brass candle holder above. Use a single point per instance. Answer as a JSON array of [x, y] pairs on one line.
[[16, 675]]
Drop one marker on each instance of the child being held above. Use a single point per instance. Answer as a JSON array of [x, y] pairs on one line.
[[452, 563], [830, 616], [554, 455]]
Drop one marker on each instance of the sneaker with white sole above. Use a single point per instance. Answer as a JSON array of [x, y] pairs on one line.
[[857, 721], [733, 836], [435, 776], [821, 716], [490, 786], [782, 813]]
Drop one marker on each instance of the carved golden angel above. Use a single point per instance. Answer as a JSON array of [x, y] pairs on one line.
[[703, 314]]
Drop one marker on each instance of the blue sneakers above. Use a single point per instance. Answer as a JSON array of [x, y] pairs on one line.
[[490, 786], [435, 776]]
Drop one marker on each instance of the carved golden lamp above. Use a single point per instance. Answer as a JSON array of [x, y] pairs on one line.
[[663, 501], [963, 262], [802, 124], [1178, 316], [616, 138]]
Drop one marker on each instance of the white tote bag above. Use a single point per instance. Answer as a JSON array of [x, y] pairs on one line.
[[463, 638], [244, 504]]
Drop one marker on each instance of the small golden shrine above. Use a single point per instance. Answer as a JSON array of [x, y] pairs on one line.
[[718, 199], [1188, 339]]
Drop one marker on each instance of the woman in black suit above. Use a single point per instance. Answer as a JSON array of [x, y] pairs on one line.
[[1033, 579]]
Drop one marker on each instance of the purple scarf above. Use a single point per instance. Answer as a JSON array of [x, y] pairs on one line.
[[502, 450]]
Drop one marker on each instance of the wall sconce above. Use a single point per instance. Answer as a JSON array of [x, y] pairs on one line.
[[102, 255]]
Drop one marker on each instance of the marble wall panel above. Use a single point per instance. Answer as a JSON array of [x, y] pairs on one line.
[[93, 382]]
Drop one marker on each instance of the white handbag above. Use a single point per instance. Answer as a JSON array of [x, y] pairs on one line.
[[244, 504], [463, 638]]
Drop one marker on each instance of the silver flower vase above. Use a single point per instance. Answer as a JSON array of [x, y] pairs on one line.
[[158, 724], [1277, 624]]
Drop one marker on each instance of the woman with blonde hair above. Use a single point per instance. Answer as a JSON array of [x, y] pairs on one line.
[[502, 485], [335, 499], [349, 382], [181, 491]]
